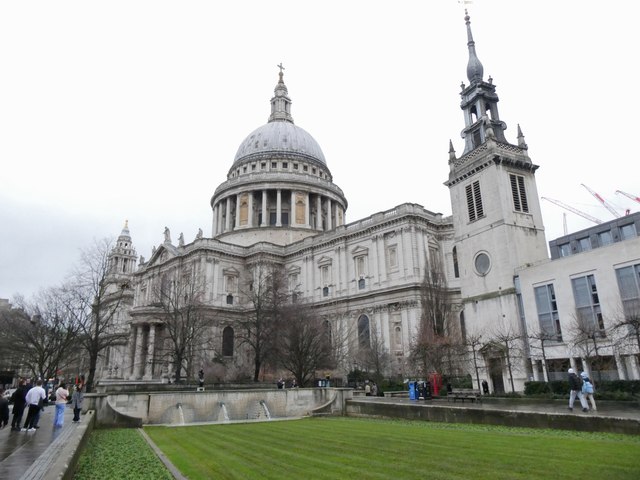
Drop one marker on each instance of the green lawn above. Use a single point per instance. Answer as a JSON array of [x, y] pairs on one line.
[[337, 448]]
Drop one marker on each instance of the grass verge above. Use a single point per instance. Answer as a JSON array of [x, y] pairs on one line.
[[330, 448], [121, 454]]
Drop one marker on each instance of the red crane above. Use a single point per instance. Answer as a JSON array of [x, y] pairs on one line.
[[632, 197], [603, 202], [571, 209]]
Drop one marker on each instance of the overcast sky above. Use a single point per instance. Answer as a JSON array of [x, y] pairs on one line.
[[135, 109]]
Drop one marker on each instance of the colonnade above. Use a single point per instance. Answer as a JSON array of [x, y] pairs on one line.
[[276, 208], [142, 351]]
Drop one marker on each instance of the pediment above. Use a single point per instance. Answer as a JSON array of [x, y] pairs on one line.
[[162, 254], [293, 270], [359, 251], [325, 261]]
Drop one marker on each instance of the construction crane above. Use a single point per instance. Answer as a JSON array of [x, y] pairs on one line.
[[571, 209], [632, 197], [602, 201]]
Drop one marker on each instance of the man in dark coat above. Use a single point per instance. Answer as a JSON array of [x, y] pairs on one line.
[[575, 385], [19, 403]]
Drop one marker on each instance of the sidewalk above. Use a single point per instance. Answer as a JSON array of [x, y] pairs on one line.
[[29, 455]]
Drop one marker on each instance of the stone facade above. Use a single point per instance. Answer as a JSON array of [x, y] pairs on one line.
[[279, 203]]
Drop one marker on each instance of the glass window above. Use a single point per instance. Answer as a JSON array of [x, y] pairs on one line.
[[227, 342], [628, 231], [548, 311], [565, 249], [364, 336], [584, 244], [629, 285], [587, 301], [456, 269], [605, 238]]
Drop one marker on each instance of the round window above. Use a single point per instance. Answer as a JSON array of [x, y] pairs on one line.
[[482, 263]]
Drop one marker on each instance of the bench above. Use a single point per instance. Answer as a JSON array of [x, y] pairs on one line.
[[400, 393], [464, 394]]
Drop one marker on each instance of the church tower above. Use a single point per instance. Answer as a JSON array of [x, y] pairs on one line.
[[496, 210]]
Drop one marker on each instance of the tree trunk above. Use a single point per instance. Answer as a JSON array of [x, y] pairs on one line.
[[93, 361]]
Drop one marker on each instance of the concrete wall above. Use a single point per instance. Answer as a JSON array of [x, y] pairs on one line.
[[510, 418], [136, 409]]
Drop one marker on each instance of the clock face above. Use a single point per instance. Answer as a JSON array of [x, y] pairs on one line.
[[482, 263]]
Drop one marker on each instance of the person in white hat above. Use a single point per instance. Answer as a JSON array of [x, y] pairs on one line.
[[575, 385]]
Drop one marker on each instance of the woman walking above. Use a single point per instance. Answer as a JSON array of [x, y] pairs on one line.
[[76, 401], [61, 401]]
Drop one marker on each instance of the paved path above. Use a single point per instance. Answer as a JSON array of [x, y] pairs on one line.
[[629, 410], [28, 455]]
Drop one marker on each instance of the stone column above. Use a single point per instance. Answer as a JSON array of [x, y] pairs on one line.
[[214, 221], [620, 367], [292, 209], [279, 208], [307, 213], [137, 359], [151, 344], [265, 220], [319, 213], [227, 223], [250, 216], [132, 352], [534, 369], [634, 371], [237, 212], [329, 214]]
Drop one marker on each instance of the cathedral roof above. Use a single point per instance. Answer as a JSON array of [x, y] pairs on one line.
[[279, 135]]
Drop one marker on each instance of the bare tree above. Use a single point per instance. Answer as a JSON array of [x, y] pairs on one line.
[[304, 343], [473, 342], [538, 339], [437, 337], [627, 326], [267, 294], [588, 339], [179, 298], [42, 333], [508, 340], [93, 299], [373, 355]]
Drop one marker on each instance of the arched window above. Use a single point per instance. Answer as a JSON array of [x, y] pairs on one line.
[[327, 331], [227, 342], [463, 327], [364, 335], [456, 270]]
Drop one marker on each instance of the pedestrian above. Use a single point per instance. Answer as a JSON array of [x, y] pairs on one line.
[[19, 404], [61, 402], [485, 387], [4, 410], [76, 401], [35, 401], [576, 390], [367, 389], [588, 390], [201, 378], [294, 384], [374, 389]]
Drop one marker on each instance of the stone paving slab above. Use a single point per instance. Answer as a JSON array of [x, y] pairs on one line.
[[30, 455]]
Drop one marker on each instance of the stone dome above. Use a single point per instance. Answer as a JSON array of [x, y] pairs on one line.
[[280, 137]]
